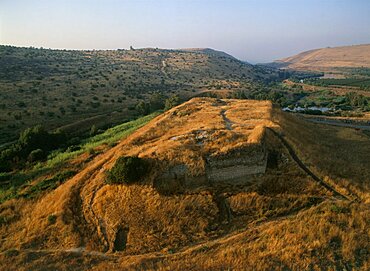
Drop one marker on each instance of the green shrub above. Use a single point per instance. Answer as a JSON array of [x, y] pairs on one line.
[[11, 252], [48, 184], [127, 170], [73, 148], [52, 219], [36, 155], [91, 151], [171, 102], [143, 108], [93, 130]]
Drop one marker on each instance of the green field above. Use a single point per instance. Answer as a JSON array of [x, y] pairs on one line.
[[361, 83], [57, 165]]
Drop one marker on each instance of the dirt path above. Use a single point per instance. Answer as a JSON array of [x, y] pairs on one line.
[[339, 123], [100, 223], [306, 169], [228, 122], [163, 68]]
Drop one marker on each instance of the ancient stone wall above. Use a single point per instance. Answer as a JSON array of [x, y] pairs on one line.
[[237, 167]]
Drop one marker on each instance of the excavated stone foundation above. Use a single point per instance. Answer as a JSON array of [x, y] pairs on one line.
[[238, 167]]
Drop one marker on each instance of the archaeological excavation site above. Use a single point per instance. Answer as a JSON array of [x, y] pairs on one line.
[[214, 165]]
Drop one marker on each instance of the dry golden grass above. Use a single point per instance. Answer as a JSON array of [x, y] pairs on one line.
[[321, 238], [326, 59], [340, 155], [331, 236], [183, 135], [188, 132], [362, 118], [283, 221]]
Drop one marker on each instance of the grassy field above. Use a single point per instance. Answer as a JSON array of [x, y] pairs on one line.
[[338, 154], [60, 164], [361, 83], [178, 215], [346, 100]]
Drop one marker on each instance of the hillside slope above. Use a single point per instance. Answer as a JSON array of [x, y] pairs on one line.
[[64, 87], [209, 51], [328, 58], [232, 183]]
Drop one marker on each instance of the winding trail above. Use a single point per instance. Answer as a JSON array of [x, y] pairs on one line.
[[305, 168], [100, 222], [339, 123], [163, 66], [228, 122]]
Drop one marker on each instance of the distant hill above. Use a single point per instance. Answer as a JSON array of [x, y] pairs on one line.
[[101, 87], [326, 59], [209, 51]]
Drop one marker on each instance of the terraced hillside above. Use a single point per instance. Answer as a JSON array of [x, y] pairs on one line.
[[231, 184], [84, 88]]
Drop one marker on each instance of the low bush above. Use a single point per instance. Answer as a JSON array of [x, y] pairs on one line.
[[127, 170], [52, 219], [36, 155]]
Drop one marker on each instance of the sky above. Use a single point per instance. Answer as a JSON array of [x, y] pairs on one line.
[[252, 30]]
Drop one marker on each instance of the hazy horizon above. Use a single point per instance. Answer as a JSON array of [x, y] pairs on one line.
[[255, 31]]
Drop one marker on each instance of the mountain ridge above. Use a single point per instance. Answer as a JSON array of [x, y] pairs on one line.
[[323, 59], [58, 87]]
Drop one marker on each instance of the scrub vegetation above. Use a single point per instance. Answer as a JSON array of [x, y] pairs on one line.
[[75, 90], [153, 159]]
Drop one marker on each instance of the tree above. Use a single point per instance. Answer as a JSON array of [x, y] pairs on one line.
[[171, 102], [33, 145], [36, 155], [157, 101], [34, 138], [93, 130], [143, 108]]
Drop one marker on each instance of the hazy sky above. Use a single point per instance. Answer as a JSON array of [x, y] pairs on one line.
[[252, 30]]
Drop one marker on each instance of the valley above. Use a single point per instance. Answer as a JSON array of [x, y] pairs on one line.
[[185, 135], [155, 159]]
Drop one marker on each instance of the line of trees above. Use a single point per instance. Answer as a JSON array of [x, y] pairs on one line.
[[33, 144]]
